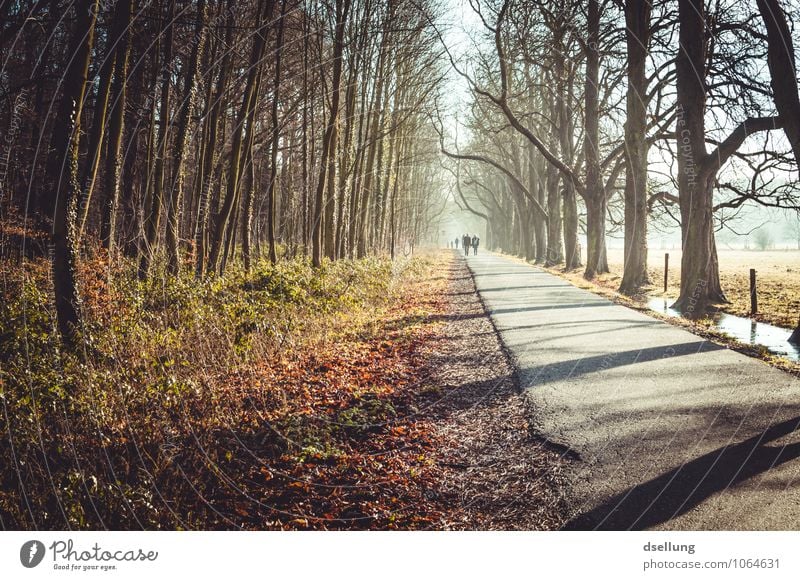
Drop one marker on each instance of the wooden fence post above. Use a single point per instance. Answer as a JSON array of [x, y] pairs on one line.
[[753, 295], [666, 270]]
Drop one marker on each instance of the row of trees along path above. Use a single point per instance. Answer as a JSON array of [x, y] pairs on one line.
[[604, 116], [201, 129]]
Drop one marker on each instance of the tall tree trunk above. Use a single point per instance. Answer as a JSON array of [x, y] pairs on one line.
[[66, 134], [373, 137], [526, 239], [244, 121], [97, 132], [572, 255], [181, 141], [113, 167], [564, 100], [555, 249], [385, 180], [273, 167], [323, 236], [538, 221], [533, 188], [304, 141], [152, 208], [783, 72], [248, 187], [361, 145], [44, 195], [377, 202], [535, 168], [637, 31], [202, 149], [350, 105], [596, 259], [700, 284], [134, 173], [393, 201], [210, 158], [357, 192]]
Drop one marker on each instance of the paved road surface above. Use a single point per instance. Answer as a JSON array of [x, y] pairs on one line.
[[666, 430]]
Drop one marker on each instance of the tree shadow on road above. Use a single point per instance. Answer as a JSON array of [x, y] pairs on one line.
[[532, 377], [677, 491], [554, 306], [524, 287]]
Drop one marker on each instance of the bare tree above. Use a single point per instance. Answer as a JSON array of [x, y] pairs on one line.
[[697, 167], [66, 138]]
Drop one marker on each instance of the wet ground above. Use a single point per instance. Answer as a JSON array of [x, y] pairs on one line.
[[773, 338]]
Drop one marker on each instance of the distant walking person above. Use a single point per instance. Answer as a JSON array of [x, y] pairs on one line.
[[456, 243], [465, 242], [475, 241]]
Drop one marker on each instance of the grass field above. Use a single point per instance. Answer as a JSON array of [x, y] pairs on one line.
[[777, 271]]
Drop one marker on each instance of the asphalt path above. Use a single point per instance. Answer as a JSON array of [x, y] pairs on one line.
[[661, 429]]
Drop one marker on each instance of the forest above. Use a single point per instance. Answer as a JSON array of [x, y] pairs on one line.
[[219, 225], [182, 134]]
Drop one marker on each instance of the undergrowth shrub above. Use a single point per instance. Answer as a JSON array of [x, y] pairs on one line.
[[171, 373]]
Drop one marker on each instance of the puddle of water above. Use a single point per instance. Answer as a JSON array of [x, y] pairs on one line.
[[773, 338]]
